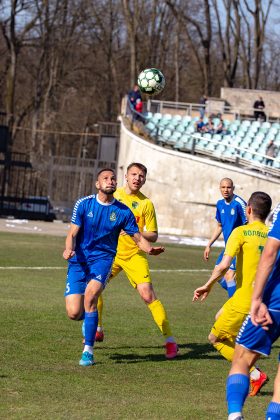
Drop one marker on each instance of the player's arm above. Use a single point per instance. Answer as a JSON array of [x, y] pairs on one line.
[[145, 245], [259, 311], [218, 272], [150, 236], [217, 232], [70, 241]]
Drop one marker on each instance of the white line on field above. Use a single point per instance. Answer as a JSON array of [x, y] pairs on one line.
[[183, 270]]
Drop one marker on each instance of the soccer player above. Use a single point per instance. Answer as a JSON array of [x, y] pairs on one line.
[[90, 247], [260, 329], [246, 243], [130, 259], [230, 213]]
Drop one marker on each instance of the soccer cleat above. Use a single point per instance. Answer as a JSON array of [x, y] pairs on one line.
[[257, 384], [171, 350], [99, 336], [86, 359]]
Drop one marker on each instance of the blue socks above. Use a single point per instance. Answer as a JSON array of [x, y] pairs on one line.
[[91, 322], [237, 391], [273, 411], [229, 286]]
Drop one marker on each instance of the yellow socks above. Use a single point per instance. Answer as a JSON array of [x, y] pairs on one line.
[[100, 310], [160, 317]]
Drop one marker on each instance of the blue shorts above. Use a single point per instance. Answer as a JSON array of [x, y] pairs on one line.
[[79, 274], [233, 263], [256, 338]]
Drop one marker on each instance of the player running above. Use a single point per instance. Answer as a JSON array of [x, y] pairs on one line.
[[130, 259], [260, 329], [90, 247], [230, 213], [246, 244]]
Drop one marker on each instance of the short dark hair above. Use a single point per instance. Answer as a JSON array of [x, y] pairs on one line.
[[105, 170], [139, 166], [261, 204]]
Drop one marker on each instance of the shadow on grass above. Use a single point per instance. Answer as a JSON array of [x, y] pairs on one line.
[[186, 351]]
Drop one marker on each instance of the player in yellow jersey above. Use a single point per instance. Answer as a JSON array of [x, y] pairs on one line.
[[246, 243], [133, 261]]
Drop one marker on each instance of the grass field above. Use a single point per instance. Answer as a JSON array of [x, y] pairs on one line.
[[40, 347]]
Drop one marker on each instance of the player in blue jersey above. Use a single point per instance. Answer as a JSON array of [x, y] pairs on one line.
[[230, 213], [260, 329], [90, 247]]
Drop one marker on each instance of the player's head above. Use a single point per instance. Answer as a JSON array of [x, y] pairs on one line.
[[259, 204], [135, 176], [106, 181], [227, 188]]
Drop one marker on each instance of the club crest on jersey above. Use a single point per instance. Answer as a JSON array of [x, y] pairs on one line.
[[232, 212], [113, 217], [134, 204]]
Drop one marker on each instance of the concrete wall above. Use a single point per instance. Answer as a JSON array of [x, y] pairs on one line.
[[185, 188], [243, 100]]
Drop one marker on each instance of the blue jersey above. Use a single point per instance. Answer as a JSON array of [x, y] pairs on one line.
[[100, 225], [231, 215], [271, 295]]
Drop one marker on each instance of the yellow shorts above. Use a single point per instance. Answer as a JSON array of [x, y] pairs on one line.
[[136, 268], [229, 322]]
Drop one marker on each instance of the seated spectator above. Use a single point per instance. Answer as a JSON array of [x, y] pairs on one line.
[[200, 125], [271, 151], [210, 127], [139, 105], [134, 94], [221, 129], [258, 109]]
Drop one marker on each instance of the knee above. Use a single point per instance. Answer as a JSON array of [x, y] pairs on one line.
[[74, 313], [212, 339]]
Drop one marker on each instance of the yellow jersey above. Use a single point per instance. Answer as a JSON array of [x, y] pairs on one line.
[[144, 212], [246, 243]]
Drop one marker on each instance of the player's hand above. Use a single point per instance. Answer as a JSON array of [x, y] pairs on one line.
[[206, 253], [156, 250], [260, 315], [201, 292], [68, 253], [122, 233]]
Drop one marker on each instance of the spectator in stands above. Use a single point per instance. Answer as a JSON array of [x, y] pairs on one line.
[[258, 109], [200, 125], [202, 107], [133, 95], [271, 152], [210, 128], [139, 105]]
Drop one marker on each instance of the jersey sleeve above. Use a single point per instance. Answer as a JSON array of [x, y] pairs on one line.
[[218, 215], [234, 243], [274, 231], [130, 226], [77, 214], [242, 211], [150, 218]]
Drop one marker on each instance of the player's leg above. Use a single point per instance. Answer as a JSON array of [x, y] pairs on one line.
[[100, 304], [138, 273], [97, 274], [238, 381], [74, 291], [228, 281], [273, 409]]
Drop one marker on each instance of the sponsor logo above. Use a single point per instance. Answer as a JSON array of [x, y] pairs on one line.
[[134, 204], [113, 217]]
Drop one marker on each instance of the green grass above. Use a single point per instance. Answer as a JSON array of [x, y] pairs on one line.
[[40, 348]]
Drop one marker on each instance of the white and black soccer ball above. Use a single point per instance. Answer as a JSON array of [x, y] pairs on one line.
[[151, 81]]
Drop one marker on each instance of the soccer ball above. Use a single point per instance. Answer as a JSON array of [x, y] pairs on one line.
[[151, 81]]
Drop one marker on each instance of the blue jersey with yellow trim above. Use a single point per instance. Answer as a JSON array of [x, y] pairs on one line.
[[231, 215], [100, 225], [271, 295]]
